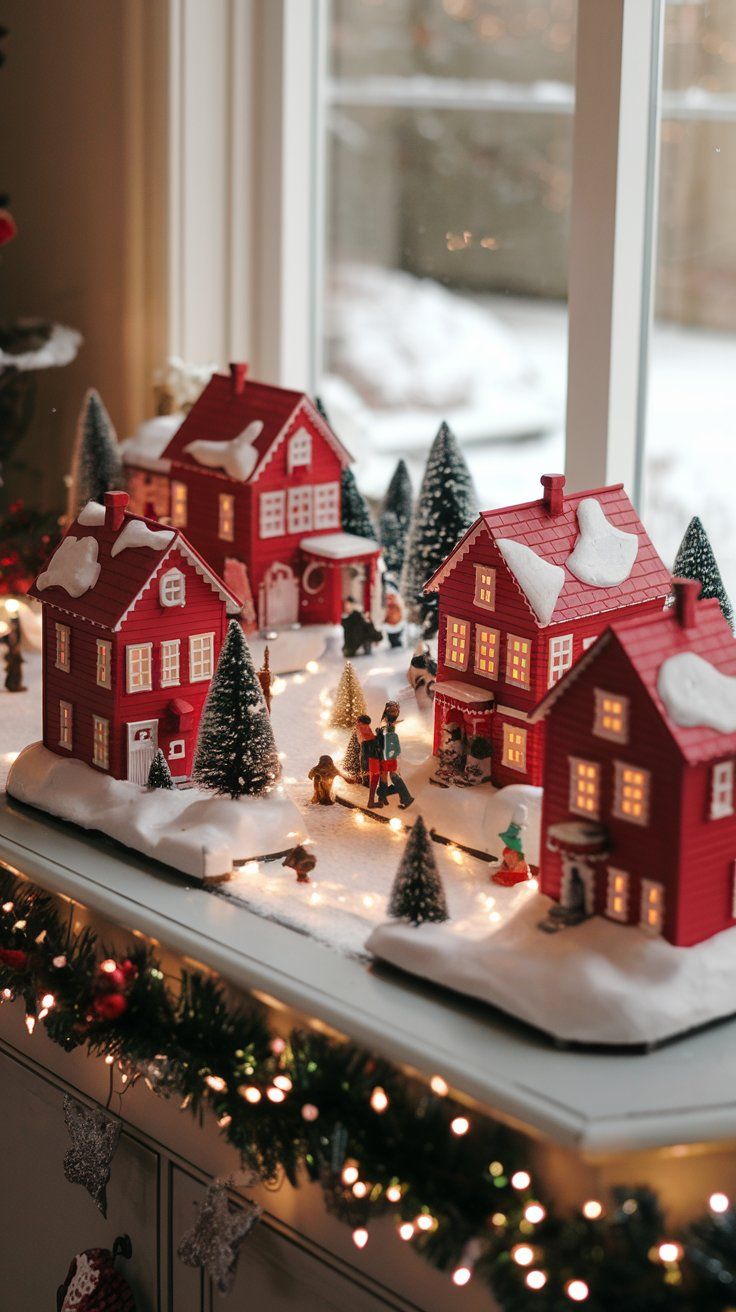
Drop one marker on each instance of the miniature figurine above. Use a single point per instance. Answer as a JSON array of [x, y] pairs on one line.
[[302, 861], [390, 753], [513, 868], [323, 776], [265, 679], [422, 671], [360, 632], [370, 750], [14, 658], [393, 617]]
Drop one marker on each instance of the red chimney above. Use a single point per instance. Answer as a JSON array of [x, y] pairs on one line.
[[237, 377], [687, 592], [553, 497], [115, 503]]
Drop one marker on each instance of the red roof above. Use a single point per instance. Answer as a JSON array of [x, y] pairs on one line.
[[222, 412], [553, 538], [646, 643], [123, 576]]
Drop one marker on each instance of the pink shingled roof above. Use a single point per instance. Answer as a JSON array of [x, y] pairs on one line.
[[122, 577], [221, 413], [553, 538]]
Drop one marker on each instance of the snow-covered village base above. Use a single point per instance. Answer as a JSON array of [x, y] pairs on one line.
[[595, 983]]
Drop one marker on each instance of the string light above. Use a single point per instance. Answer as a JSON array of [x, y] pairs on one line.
[[425, 1222], [535, 1279], [215, 1083], [498, 1219], [278, 1045], [108, 966], [250, 1093], [20, 924], [461, 1275], [521, 1180], [48, 1001], [360, 1189], [439, 1086], [59, 962], [350, 1173], [275, 1095], [460, 1125], [393, 1193], [592, 1209], [312, 667], [283, 1082], [669, 1251], [379, 1100], [310, 1112], [522, 1254], [406, 1231], [395, 824], [534, 1213], [30, 1023], [109, 1059], [359, 818], [496, 1168], [7, 994], [719, 1203], [577, 1290], [360, 1237], [8, 907]]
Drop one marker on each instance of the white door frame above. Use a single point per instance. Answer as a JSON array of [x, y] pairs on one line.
[[133, 750]]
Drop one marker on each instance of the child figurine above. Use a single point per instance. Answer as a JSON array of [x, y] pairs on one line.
[[513, 868], [302, 861], [390, 753], [370, 752], [323, 776], [14, 658]]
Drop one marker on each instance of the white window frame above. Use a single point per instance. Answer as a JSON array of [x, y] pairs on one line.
[[560, 657], [300, 450], [177, 749], [575, 806], [588, 642], [63, 639], [721, 790], [618, 787], [171, 663], [226, 516], [179, 503], [508, 730], [66, 725], [651, 888], [172, 588], [104, 663], [326, 506], [300, 509], [101, 742], [617, 890], [511, 638], [201, 657], [463, 633], [272, 515], [139, 667], [485, 581], [600, 729], [495, 646]]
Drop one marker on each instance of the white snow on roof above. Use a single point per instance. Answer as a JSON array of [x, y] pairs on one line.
[[540, 581], [694, 693], [92, 514], [464, 692], [138, 534], [338, 546], [237, 457], [603, 555], [73, 567]]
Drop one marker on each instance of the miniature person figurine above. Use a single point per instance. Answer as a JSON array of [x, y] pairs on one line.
[[422, 671], [390, 753], [360, 631], [302, 861], [393, 617], [264, 678], [323, 775], [513, 868], [370, 751], [14, 658]]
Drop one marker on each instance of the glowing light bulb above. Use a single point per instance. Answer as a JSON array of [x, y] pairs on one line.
[[592, 1209], [359, 818], [7, 907], [278, 1045], [460, 1126], [350, 1173], [48, 1000], [283, 1082], [522, 1254], [250, 1093], [406, 1231], [12, 606], [577, 1290], [439, 1086], [669, 1252], [424, 1221], [379, 1099], [498, 1219], [275, 1095], [312, 667], [719, 1203], [30, 1023], [215, 1083], [535, 1279], [20, 924], [7, 993], [393, 1193], [360, 1189], [534, 1213], [59, 962], [521, 1180], [109, 1059], [360, 1237], [461, 1275], [457, 857], [395, 824], [310, 1112], [108, 966]]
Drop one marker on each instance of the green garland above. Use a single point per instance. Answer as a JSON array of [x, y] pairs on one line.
[[377, 1142]]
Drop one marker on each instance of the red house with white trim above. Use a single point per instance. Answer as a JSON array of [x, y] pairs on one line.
[[639, 817], [253, 475], [526, 591], [133, 622]]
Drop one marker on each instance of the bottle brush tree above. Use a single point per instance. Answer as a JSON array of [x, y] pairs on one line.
[[349, 700], [159, 775], [96, 465], [695, 560], [351, 761], [446, 508], [236, 749], [395, 519], [356, 515], [418, 894]]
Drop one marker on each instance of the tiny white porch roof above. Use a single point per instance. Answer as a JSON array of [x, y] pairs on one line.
[[464, 692], [339, 546]]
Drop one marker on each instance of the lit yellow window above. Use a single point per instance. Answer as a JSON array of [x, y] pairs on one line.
[[486, 651], [456, 645], [63, 649], [227, 516], [611, 716], [617, 896], [585, 782], [100, 742], [652, 906], [104, 663], [514, 747], [631, 795], [518, 661], [485, 586], [179, 504]]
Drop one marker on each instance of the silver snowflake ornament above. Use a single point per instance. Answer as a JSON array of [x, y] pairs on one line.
[[94, 1139], [215, 1238]]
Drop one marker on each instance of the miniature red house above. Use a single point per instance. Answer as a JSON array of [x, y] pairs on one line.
[[133, 622], [253, 475], [638, 819], [523, 594]]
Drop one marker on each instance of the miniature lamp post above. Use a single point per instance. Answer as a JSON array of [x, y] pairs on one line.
[[265, 679]]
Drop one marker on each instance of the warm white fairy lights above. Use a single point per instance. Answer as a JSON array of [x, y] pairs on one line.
[[215, 1083], [425, 1221], [283, 1082], [30, 1023], [439, 1086], [461, 1275], [312, 667], [460, 1126], [577, 1290], [379, 1099], [360, 1237], [521, 1180], [522, 1254], [250, 1093], [108, 966], [719, 1203], [406, 1231], [275, 1095], [310, 1112], [350, 1173], [393, 1193], [535, 1279], [395, 824], [360, 1189], [592, 1209], [534, 1213], [47, 1001], [669, 1251]]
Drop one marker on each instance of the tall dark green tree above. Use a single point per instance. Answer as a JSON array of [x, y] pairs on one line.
[[695, 560], [159, 775], [96, 466], [351, 760], [446, 507], [418, 894], [395, 520], [356, 516], [236, 749]]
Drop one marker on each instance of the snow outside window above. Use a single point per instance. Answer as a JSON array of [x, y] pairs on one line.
[[300, 510], [179, 504], [518, 661], [201, 657], [631, 794], [617, 895], [104, 663], [486, 651], [65, 725], [170, 663], [272, 514], [177, 749], [652, 906], [227, 516], [327, 505], [721, 792], [485, 586], [138, 659], [585, 784], [514, 747], [611, 716], [172, 590], [100, 742], [456, 645], [63, 648], [588, 642], [300, 450], [560, 657]]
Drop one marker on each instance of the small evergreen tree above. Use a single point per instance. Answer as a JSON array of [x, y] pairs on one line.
[[236, 750], [356, 516], [695, 560], [395, 519], [446, 507], [159, 775], [96, 466], [417, 894], [349, 700], [351, 761]]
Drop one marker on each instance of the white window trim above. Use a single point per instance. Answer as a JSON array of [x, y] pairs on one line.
[[612, 892], [66, 706], [648, 886], [104, 645], [487, 674], [199, 637], [721, 789], [101, 761], [326, 514], [271, 501], [457, 665], [180, 596], [486, 569], [560, 648], [618, 768], [129, 653], [298, 500], [177, 749], [63, 637], [514, 765], [572, 798], [516, 683], [170, 645], [598, 728], [301, 438]]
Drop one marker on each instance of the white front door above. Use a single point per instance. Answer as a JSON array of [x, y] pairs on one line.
[[280, 595], [142, 744]]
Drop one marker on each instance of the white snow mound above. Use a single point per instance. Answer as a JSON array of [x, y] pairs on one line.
[[694, 693], [151, 438], [603, 555], [73, 567], [192, 830], [540, 581], [138, 534], [237, 457], [93, 515]]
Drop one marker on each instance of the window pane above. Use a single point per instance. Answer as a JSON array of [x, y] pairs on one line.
[[690, 432], [449, 154]]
